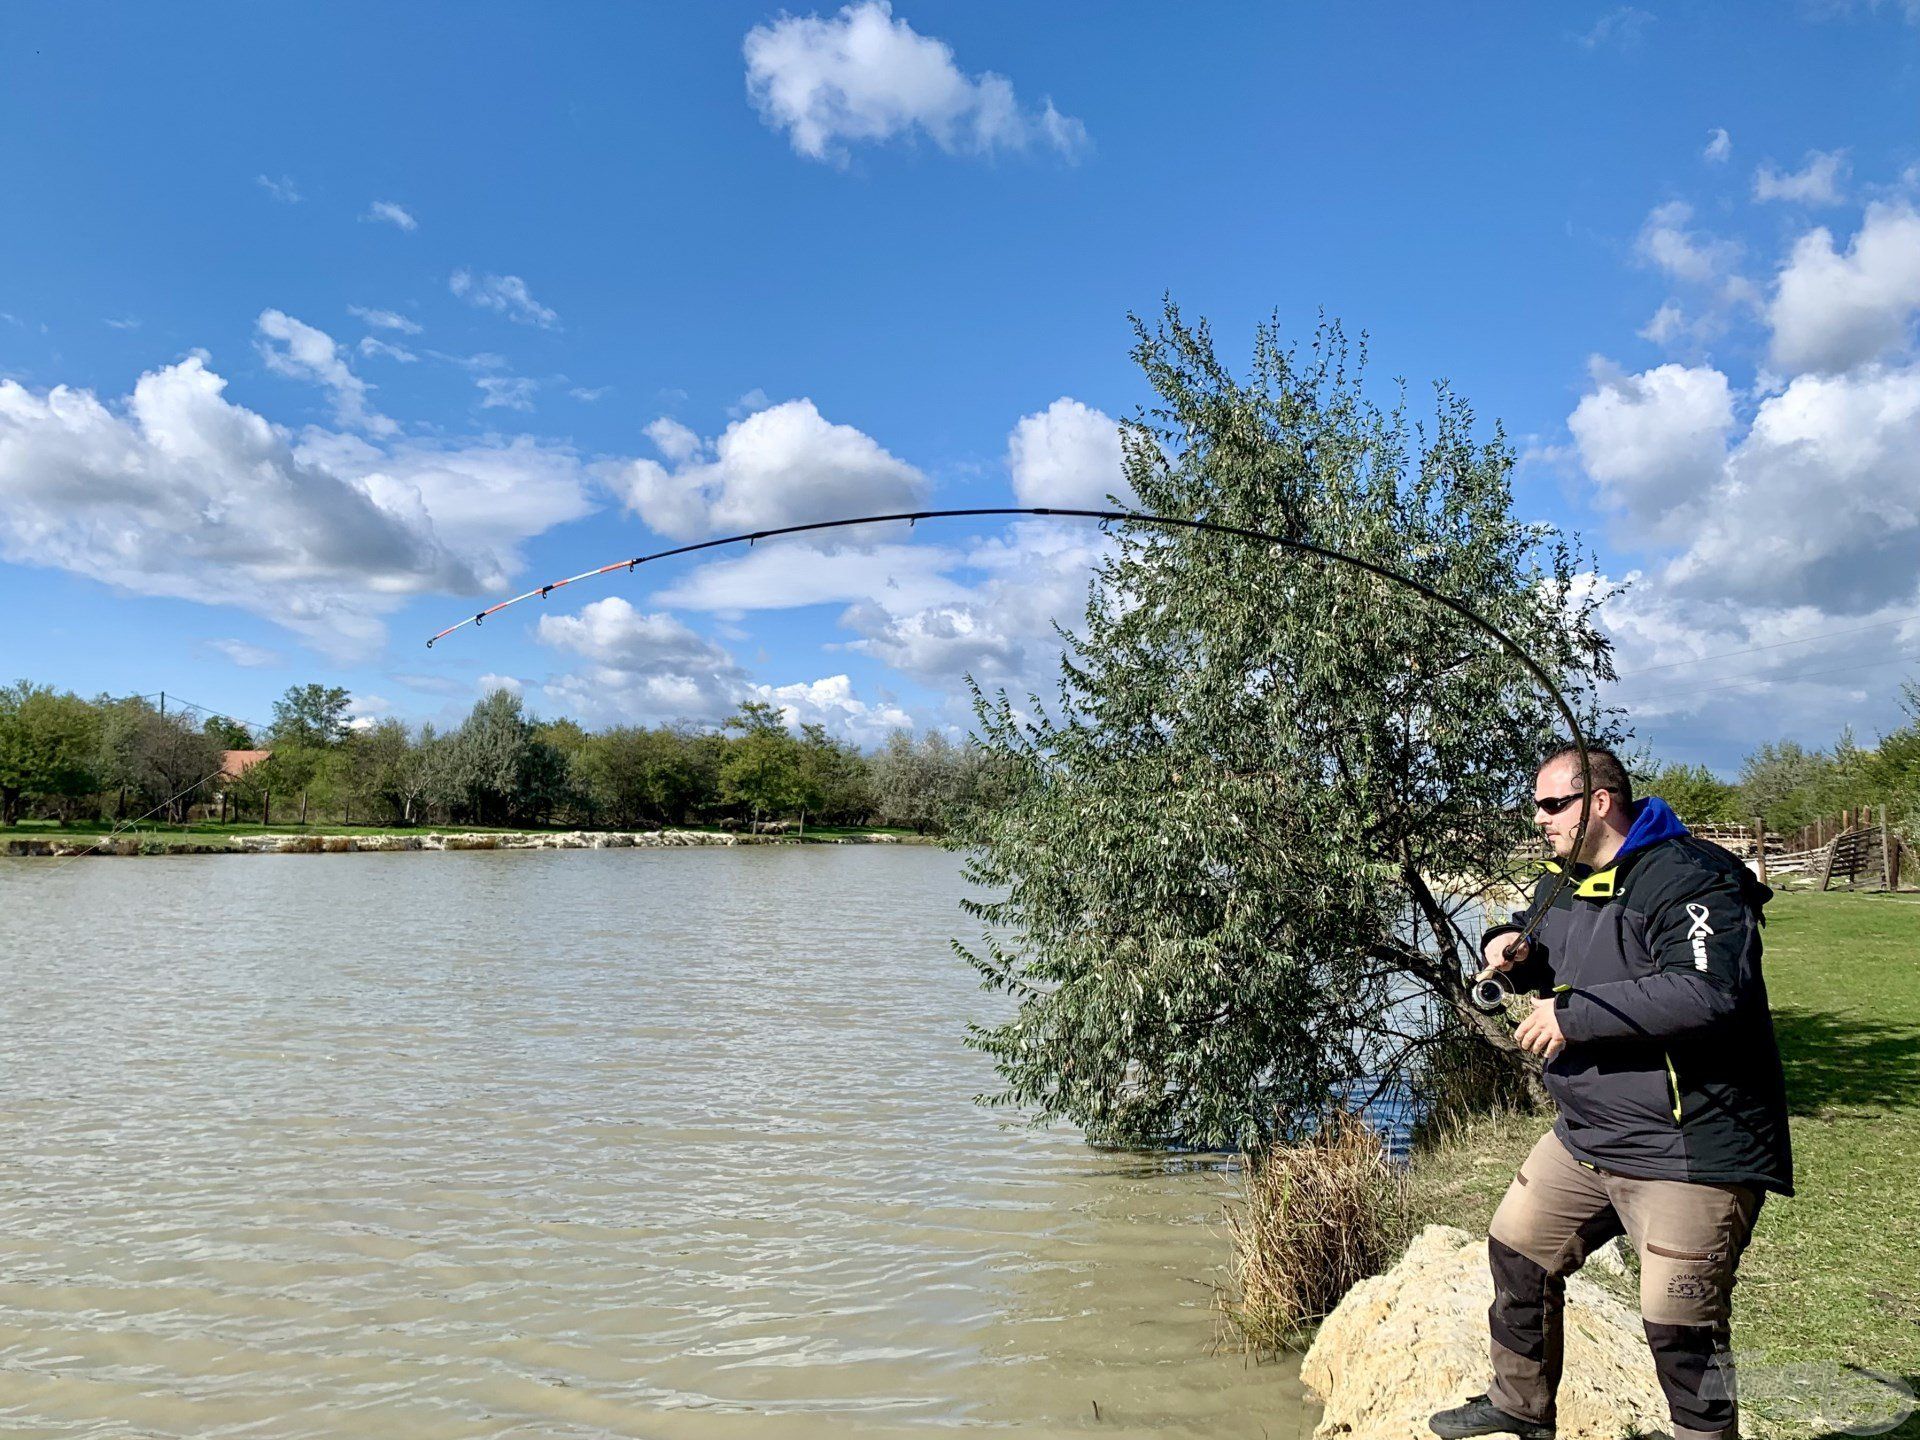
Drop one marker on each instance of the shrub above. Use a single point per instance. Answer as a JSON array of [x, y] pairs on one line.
[[1314, 1220]]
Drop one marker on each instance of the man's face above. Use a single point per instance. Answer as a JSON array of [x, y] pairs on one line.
[[1558, 780]]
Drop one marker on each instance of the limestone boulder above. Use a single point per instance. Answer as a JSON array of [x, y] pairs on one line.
[[1414, 1340]]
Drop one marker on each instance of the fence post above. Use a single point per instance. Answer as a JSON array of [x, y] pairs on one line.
[[1887, 862], [1760, 848]]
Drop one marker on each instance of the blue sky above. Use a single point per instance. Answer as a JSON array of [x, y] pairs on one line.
[[319, 326]]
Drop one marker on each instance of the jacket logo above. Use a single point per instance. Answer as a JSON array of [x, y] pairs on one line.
[[1698, 933]]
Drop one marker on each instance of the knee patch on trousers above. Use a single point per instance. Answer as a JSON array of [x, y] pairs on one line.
[[1695, 1368], [1519, 1318]]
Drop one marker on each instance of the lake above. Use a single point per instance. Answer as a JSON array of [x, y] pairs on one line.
[[673, 1143]]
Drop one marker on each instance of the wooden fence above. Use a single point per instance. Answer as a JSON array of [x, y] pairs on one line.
[[1854, 850]]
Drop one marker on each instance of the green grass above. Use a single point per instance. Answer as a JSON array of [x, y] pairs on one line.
[[1833, 1274]]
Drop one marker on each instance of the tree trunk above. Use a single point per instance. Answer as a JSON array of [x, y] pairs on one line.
[[303, 808], [266, 808]]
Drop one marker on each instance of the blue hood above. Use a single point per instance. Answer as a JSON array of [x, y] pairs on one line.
[[1653, 821]]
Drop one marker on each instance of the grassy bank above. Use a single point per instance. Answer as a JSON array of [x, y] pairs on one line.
[[1834, 1273]]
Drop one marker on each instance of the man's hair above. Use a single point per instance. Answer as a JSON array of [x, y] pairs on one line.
[[1602, 764]]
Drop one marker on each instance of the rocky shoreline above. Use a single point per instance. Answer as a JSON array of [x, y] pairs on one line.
[[75, 846]]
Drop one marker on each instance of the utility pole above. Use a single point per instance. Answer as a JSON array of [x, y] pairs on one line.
[[163, 704]]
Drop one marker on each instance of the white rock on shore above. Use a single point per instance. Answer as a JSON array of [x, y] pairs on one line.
[[1414, 1340], [136, 844]]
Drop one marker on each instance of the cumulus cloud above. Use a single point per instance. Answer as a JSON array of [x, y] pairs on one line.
[[865, 77], [785, 465], [674, 440], [1068, 455], [653, 669], [1666, 242], [506, 295], [386, 212], [1653, 441], [180, 492], [299, 351], [385, 319], [1815, 183], [1719, 146], [1832, 311], [832, 704]]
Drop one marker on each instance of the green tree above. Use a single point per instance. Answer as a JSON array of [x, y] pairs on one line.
[[311, 715], [1697, 795], [761, 771], [227, 733], [1785, 783], [1212, 889], [48, 746]]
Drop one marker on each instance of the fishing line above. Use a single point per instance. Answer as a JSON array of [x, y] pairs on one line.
[[1169, 522]]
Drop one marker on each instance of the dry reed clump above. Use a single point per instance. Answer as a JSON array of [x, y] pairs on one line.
[[1315, 1220]]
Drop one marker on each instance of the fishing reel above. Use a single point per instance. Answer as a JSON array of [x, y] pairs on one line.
[[1491, 993]]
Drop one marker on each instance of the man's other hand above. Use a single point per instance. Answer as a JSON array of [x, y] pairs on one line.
[[1539, 1034], [1496, 957]]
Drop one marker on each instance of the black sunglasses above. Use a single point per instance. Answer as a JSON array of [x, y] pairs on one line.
[[1554, 804]]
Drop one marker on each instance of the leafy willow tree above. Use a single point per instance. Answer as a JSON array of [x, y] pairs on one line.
[[1230, 867], [48, 746]]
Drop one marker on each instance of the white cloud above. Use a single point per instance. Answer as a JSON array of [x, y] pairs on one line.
[[1000, 630], [1719, 146], [506, 295], [786, 465], [180, 492], [366, 711], [1815, 183], [588, 395], [299, 351], [130, 322], [831, 703], [1623, 26], [507, 392], [1665, 242], [1068, 455], [865, 77], [247, 656], [754, 399], [1653, 441], [642, 668], [785, 574], [1668, 323], [674, 440], [490, 682], [1819, 503], [376, 349], [386, 212], [385, 319], [1830, 311], [283, 189]]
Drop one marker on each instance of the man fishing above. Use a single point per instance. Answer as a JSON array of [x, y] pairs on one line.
[[1659, 1055]]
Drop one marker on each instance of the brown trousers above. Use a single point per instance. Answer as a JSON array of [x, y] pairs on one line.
[[1689, 1237]]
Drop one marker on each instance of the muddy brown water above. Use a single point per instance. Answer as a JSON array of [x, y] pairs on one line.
[[611, 1143]]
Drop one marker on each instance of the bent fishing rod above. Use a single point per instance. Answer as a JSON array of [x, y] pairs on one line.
[[1487, 990]]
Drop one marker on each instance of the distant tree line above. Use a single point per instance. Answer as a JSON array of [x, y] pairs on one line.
[[1788, 785], [67, 758]]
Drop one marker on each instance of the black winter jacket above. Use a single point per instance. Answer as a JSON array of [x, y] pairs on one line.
[[1670, 1070]]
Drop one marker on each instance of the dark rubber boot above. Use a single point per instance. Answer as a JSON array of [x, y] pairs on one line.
[[1480, 1416]]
